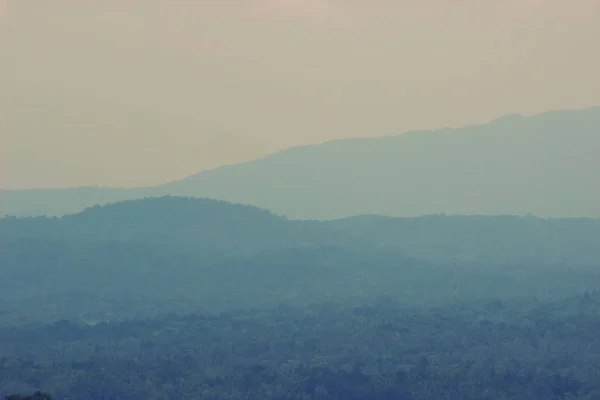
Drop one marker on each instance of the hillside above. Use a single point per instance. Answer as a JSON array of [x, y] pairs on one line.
[[546, 165], [222, 228], [155, 256]]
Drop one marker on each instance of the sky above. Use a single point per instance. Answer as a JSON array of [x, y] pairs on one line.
[[140, 92]]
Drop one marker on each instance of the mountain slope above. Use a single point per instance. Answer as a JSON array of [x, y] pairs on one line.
[[546, 165]]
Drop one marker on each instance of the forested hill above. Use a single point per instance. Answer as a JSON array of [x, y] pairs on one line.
[[160, 255], [545, 165], [219, 225], [496, 239], [167, 214]]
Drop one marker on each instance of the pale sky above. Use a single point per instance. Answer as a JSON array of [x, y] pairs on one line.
[[140, 92]]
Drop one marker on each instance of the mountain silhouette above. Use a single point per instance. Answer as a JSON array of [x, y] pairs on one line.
[[546, 165]]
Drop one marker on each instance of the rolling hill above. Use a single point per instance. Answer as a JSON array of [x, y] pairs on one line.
[[159, 255]]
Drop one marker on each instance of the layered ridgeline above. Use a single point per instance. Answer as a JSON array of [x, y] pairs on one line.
[[160, 255], [546, 165]]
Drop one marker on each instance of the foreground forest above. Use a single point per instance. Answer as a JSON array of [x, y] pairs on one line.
[[182, 298], [519, 349]]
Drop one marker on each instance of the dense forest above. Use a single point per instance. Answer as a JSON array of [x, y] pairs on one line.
[[182, 298], [519, 349]]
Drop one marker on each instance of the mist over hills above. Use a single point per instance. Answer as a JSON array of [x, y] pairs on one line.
[[222, 226], [546, 165], [170, 287], [154, 256]]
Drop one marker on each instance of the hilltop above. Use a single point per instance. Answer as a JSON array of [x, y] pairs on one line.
[[153, 256]]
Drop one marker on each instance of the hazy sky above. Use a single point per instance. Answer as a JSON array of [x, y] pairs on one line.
[[139, 92]]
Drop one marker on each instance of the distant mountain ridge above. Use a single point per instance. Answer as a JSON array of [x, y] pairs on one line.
[[546, 165]]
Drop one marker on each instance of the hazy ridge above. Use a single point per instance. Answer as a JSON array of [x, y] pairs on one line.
[[546, 165], [159, 255]]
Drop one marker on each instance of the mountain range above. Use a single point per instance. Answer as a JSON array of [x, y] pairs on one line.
[[546, 165]]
